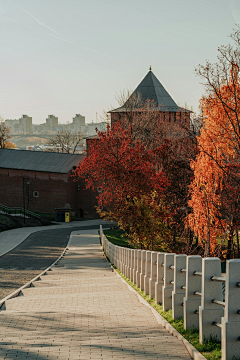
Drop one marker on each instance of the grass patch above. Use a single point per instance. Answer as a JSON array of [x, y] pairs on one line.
[[116, 237], [210, 349]]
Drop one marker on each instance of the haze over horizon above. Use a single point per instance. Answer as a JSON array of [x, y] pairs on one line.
[[68, 57]]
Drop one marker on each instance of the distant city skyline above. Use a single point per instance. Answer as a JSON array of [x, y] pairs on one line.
[[47, 117], [67, 57]]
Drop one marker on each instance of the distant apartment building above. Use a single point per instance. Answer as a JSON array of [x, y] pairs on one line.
[[49, 127], [13, 125], [79, 120], [20, 126], [52, 121], [25, 124]]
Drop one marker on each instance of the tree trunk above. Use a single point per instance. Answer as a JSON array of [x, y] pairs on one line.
[[196, 242], [190, 239], [237, 243], [230, 245]]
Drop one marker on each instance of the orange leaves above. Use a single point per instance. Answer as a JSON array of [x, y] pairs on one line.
[[214, 190]]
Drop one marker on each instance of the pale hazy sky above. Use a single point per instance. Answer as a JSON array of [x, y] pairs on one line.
[[64, 57]]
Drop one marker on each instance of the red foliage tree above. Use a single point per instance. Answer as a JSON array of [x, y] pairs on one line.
[[121, 170]]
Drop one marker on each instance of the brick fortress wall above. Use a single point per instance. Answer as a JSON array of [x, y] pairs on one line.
[[55, 191], [171, 120]]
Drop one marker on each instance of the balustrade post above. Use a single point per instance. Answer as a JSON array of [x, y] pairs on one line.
[[209, 311], [147, 272], [118, 257], [111, 252], [168, 282], [123, 255], [191, 302], [125, 262], [179, 286], [121, 260], [101, 233], [231, 320], [131, 264], [112, 249], [160, 276], [134, 266], [115, 255], [128, 263], [143, 269], [104, 244], [153, 275], [107, 247], [138, 272]]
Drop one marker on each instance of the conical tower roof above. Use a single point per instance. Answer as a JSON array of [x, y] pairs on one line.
[[150, 88]]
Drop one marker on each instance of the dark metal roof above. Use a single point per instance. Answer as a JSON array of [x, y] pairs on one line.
[[151, 89], [39, 160]]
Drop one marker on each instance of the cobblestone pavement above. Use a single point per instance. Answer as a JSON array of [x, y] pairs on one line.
[[82, 310], [32, 256]]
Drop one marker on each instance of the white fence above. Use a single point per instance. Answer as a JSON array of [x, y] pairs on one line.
[[189, 285]]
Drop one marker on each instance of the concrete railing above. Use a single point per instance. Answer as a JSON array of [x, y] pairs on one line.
[[189, 285]]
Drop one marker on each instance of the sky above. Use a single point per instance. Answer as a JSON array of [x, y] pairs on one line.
[[67, 57]]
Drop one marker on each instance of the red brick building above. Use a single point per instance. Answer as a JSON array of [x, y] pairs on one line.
[[168, 111], [45, 181]]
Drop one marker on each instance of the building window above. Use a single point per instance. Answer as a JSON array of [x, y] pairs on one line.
[[35, 194]]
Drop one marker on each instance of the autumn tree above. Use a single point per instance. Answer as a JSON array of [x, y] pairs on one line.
[[148, 222], [216, 185], [65, 142], [10, 145], [4, 134], [122, 172]]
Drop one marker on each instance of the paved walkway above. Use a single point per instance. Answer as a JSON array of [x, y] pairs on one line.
[[11, 238], [82, 310], [37, 252]]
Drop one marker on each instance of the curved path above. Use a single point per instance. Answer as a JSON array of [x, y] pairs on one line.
[[82, 310], [34, 254]]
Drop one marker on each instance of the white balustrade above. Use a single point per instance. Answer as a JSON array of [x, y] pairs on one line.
[[190, 286]]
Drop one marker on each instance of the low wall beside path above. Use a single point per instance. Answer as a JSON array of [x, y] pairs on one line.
[[191, 286]]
